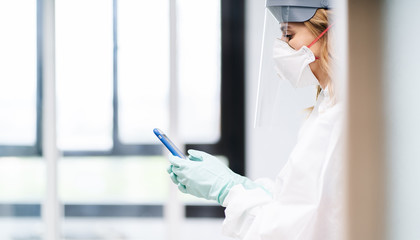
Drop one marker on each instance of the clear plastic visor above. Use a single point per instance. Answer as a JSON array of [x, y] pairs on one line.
[[278, 102]]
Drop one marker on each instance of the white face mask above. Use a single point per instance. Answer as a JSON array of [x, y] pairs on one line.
[[293, 65]]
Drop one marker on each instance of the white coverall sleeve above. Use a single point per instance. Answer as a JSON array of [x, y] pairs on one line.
[[307, 201], [256, 197], [242, 216], [267, 184], [262, 218]]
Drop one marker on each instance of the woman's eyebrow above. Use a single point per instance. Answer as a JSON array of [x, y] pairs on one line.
[[284, 28]]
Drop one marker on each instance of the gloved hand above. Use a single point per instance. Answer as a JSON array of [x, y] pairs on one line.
[[205, 176]]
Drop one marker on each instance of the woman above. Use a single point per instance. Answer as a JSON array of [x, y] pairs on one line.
[[304, 202]]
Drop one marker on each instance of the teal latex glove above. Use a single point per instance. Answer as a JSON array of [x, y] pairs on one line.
[[205, 176]]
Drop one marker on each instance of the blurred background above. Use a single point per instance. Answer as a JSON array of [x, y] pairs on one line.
[[113, 68], [84, 82]]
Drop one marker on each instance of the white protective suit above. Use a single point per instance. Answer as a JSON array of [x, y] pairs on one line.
[[307, 196]]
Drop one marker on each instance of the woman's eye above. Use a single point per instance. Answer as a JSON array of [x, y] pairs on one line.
[[288, 36]]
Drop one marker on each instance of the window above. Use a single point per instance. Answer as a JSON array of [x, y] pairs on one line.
[[142, 60], [112, 80], [22, 183], [18, 78], [84, 71]]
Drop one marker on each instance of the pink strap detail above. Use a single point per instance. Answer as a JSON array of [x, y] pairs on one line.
[[320, 36]]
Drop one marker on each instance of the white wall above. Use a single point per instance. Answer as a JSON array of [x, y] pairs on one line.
[[402, 112]]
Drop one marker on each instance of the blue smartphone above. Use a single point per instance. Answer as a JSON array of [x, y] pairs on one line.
[[168, 143]]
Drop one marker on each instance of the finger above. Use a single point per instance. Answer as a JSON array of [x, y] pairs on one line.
[[182, 188], [182, 180], [195, 159], [176, 161], [198, 154], [180, 175], [174, 178], [195, 155], [169, 169]]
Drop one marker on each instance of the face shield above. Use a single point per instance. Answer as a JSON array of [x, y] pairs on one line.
[[286, 85]]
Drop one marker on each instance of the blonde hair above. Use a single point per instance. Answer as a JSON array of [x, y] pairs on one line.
[[317, 24]]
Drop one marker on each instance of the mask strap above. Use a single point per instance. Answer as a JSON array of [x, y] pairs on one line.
[[320, 36]]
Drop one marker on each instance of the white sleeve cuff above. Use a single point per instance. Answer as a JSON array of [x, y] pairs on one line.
[[242, 205]]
